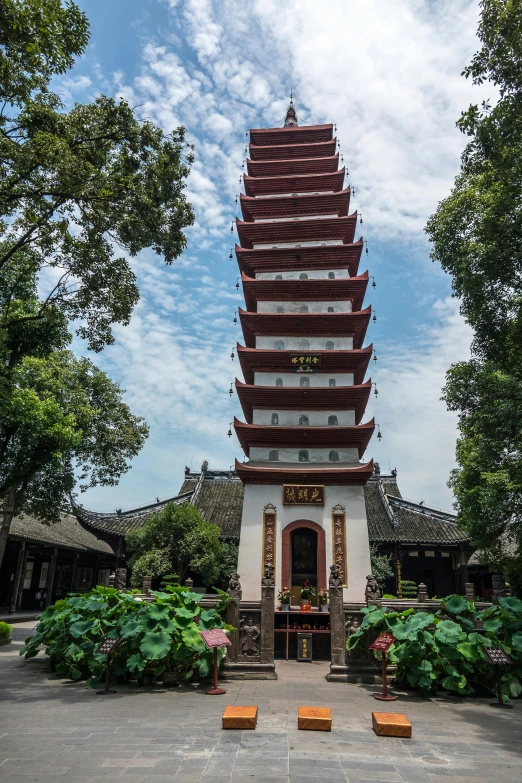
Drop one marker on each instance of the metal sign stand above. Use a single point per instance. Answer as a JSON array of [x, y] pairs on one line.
[[106, 648], [214, 639], [383, 643], [498, 658]]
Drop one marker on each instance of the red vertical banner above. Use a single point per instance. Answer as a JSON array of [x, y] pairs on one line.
[[269, 535], [339, 541]]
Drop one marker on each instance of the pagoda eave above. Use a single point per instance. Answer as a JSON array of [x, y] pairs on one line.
[[303, 397], [346, 288], [257, 435], [254, 360], [299, 150], [304, 230], [291, 135], [267, 168], [309, 324], [253, 261], [356, 475], [254, 208], [300, 183]]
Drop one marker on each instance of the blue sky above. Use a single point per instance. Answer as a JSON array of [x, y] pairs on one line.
[[389, 75]]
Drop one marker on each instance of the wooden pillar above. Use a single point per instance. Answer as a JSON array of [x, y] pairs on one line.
[[22, 578], [74, 569], [50, 577], [19, 573]]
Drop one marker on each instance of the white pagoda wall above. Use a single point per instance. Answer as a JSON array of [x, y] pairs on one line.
[[316, 343], [291, 454], [257, 496], [340, 306], [313, 274], [290, 418], [317, 379]]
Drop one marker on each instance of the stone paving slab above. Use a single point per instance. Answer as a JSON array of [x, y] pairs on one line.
[[52, 731]]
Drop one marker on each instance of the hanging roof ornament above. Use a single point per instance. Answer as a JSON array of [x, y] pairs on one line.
[[291, 116]]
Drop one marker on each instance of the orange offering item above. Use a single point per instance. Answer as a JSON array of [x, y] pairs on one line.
[[237, 717], [391, 724], [314, 718]]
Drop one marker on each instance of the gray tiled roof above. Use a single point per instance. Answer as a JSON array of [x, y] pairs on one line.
[[67, 533], [119, 523], [220, 500], [414, 523]]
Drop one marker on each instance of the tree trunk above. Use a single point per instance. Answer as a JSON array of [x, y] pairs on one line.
[[5, 525]]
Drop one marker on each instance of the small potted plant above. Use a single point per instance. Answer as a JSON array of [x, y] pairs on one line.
[[307, 591], [284, 599], [323, 596]]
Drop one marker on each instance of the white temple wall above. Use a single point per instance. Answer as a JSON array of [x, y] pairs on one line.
[[257, 496], [312, 243], [293, 219], [316, 343], [290, 418], [317, 379], [261, 454], [313, 274], [339, 306]]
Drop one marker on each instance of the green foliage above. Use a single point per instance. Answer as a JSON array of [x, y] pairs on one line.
[[445, 649], [476, 234], [408, 589], [155, 636], [5, 630], [177, 537], [381, 565]]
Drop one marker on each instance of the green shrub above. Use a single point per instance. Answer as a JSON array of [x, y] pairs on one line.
[[156, 636], [5, 630], [389, 596], [445, 649], [408, 589]]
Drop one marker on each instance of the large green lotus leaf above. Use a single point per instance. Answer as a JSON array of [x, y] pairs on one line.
[[420, 620], [192, 638], [158, 611], [131, 628], [403, 631], [150, 624], [155, 645], [73, 651], [136, 662], [468, 650], [81, 628], [447, 631], [511, 603], [454, 683], [456, 604], [74, 673], [425, 683], [96, 605], [182, 611], [493, 626], [424, 666], [179, 621], [208, 615], [513, 683], [451, 653], [516, 642]]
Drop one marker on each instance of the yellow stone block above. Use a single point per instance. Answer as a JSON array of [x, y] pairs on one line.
[[314, 718], [237, 717], [391, 724]]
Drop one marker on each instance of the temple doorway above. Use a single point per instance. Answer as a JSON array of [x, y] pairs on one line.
[[304, 564]]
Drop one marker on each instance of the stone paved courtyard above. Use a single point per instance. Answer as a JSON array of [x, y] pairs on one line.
[[52, 731]]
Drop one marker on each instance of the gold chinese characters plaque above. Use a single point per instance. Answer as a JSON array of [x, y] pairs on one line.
[[269, 535], [339, 541], [301, 494]]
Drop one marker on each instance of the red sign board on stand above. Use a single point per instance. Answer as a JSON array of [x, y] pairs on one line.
[[383, 642], [214, 639]]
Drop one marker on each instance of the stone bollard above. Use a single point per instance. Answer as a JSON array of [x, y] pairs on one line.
[[423, 593], [189, 583], [470, 591], [145, 588], [112, 579]]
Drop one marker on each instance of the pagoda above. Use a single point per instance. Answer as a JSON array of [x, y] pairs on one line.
[[304, 363]]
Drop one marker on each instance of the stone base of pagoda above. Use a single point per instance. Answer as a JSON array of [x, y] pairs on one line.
[[244, 670]]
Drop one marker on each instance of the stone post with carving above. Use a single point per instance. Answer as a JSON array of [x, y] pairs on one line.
[[267, 615], [338, 669], [235, 593], [470, 591]]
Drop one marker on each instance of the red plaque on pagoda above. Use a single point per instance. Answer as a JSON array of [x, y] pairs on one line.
[[215, 638], [383, 642]]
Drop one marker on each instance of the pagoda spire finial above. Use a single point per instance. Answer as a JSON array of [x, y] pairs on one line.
[[291, 116]]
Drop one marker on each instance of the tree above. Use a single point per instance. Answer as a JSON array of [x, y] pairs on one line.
[[177, 539], [64, 419], [477, 237], [75, 185], [381, 565]]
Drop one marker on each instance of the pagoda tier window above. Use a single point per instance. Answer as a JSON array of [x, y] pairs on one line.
[[303, 276], [303, 421], [304, 345], [280, 309], [275, 419], [279, 381], [303, 456], [278, 277], [330, 345], [331, 275], [333, 456], [332, 421], [279, 345], [304, 381], [303, 309], [330, 310], [332, 382], [273, 455]]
